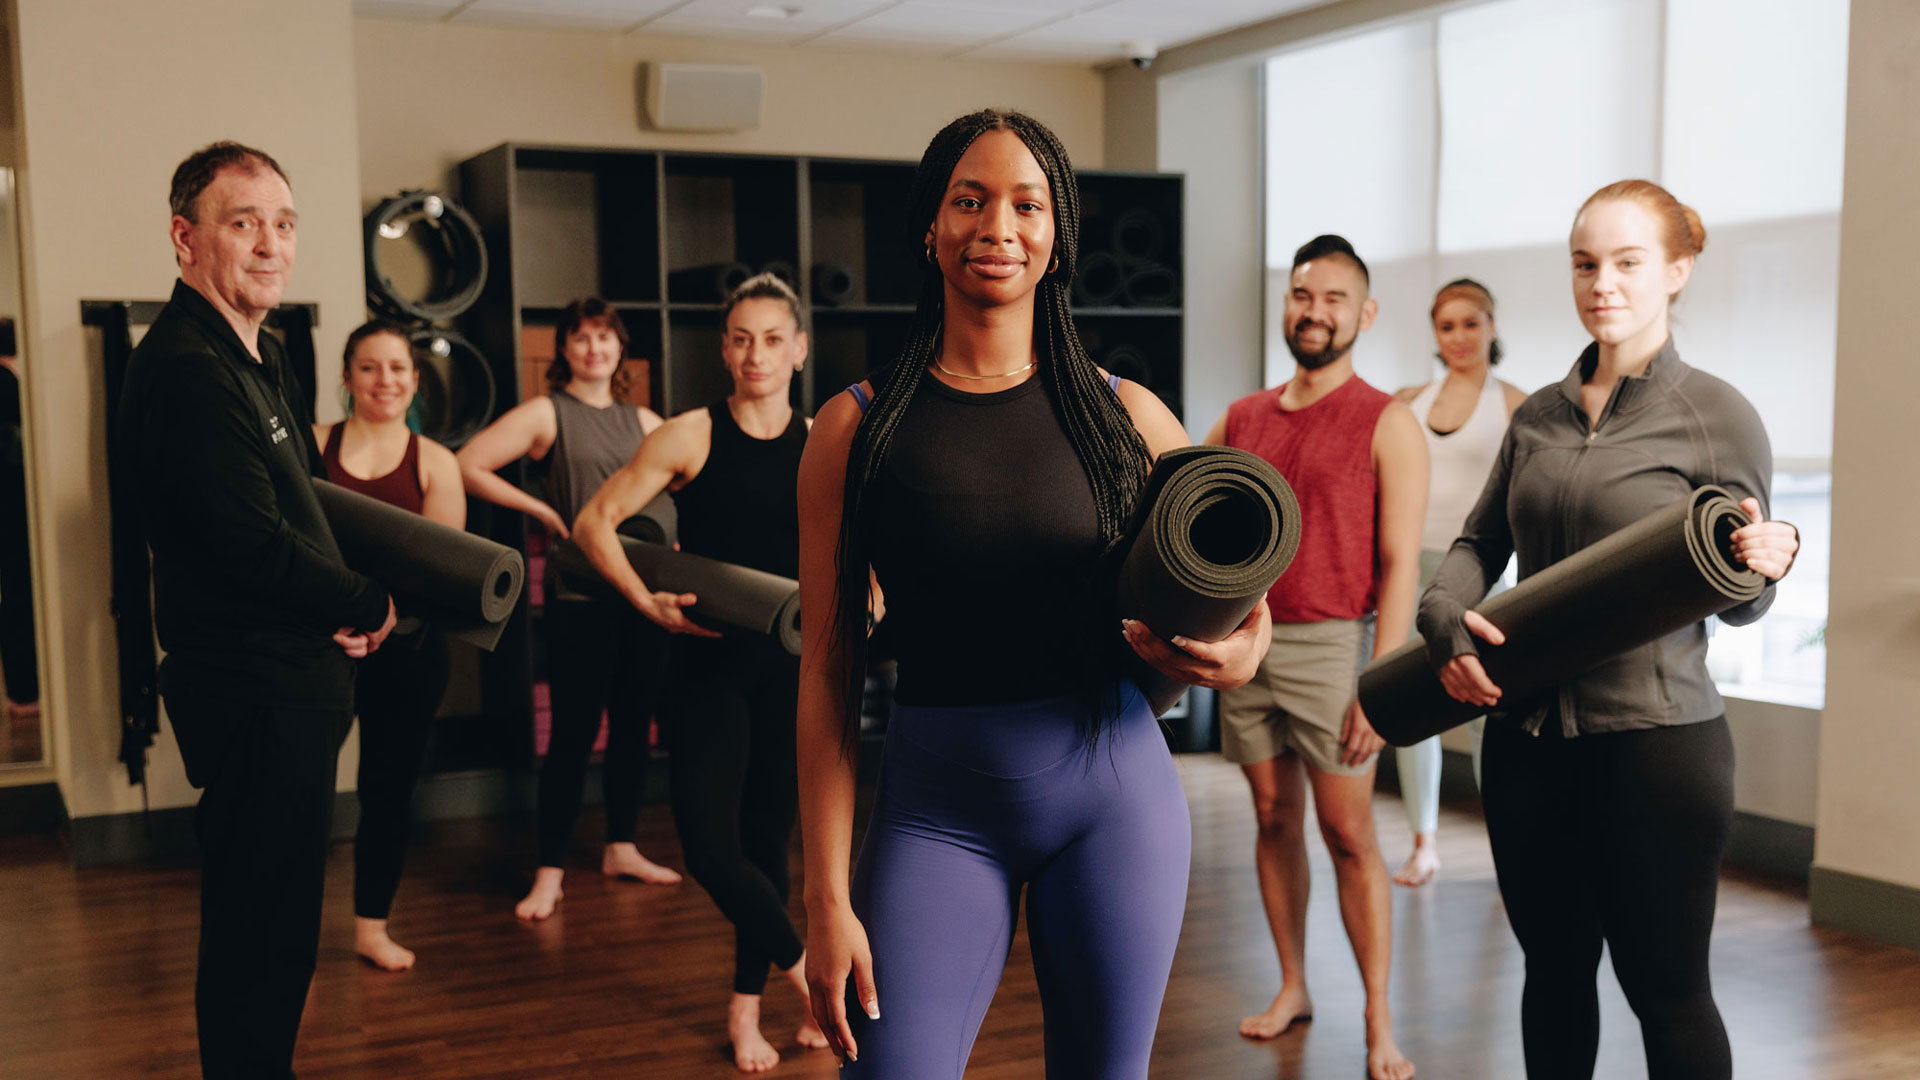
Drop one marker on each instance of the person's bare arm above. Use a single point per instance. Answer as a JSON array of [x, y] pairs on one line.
[[320, 433], [444, 495], [649, 420], [837, 947], [1406, 394], [1514, 397], [526, 430], [674, 454], [1400, 469]]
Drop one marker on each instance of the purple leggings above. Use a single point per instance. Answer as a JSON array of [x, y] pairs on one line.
[[975, 802]]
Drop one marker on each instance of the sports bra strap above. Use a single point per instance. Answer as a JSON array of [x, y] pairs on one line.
[[1113, 381], [860, 396]]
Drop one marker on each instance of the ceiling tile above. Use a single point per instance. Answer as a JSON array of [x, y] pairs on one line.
[[405, 9], [730, 19], [562, 14], [950, 26]]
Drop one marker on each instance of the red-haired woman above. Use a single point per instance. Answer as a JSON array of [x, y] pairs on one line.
[[1608, 799]]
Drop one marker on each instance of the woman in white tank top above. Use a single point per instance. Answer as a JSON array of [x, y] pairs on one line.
[[1464, 415]]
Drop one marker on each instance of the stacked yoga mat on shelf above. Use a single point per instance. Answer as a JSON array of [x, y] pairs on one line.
[[729, 597], [1659, 575], [1216, 527], [706, 284], [464, 584], [1130, 268]]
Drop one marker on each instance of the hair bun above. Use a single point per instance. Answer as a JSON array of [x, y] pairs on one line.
[[1695, 229]]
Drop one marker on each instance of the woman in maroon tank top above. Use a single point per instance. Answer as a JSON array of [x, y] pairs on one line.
[[398, 690]]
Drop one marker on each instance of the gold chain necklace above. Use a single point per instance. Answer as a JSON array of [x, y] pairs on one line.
[[981, 378]]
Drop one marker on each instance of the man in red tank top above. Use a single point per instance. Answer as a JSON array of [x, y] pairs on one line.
[[1358, 463]]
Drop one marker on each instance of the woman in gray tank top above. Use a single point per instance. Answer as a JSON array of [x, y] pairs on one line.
[[601, 655]]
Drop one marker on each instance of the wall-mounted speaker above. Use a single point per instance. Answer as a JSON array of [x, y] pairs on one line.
[[702, 97]]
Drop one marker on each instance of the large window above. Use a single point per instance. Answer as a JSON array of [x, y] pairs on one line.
[[1462, 143]]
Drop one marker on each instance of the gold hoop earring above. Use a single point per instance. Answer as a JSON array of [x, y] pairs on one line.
[[1056, 265], [932, 260]]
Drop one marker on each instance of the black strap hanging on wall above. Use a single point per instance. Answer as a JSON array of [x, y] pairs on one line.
[[132, 586], [454, 249]]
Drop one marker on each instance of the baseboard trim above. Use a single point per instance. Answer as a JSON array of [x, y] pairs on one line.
[[157, 835], [31, 808], [1770, 845], [1872, 908]]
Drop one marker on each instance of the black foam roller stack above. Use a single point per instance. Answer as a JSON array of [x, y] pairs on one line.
[[1659, 575], [466, 585], [833, 284], [1150, 285], [1216, 527], [1137, 236], [1100, 281], [729, 597], [708, 284]]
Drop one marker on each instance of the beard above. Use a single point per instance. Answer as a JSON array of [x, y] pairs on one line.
[[1312, 359]]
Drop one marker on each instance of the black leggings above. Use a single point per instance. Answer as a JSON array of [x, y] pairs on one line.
[[601, 655], [1615, 838], [398, 692], [729, 717]]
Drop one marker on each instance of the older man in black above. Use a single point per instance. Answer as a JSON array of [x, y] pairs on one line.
[[259, 616]]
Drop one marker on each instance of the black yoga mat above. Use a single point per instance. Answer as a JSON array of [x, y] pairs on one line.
[[658, 522], [1663, 573], [1150, 285], [1099, 281], [1215, 529], [1137, 236], [833, 284], [729, 597], [464, 584], [783, 270], [1126, 361], [706, 284]]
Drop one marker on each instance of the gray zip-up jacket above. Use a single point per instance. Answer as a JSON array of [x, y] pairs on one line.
[[1561, 484]]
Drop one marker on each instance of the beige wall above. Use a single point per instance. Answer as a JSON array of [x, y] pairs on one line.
[[113, 93], [1869, 809], [433, 94]]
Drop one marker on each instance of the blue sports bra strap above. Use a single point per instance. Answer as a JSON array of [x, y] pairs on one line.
[[860, 395], [1114, 382]]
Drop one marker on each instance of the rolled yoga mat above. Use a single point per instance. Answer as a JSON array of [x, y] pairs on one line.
[[729, 597], [658, 522], [1099, 281], [706, 284], [833, 284], [1661, 574], [1150, 285], [1137, 236], [1215, 529], [464, 584]]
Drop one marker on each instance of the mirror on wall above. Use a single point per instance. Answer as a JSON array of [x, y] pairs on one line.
[[22, 729]]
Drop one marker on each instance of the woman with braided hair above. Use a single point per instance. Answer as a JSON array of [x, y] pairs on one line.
[[978, 481]]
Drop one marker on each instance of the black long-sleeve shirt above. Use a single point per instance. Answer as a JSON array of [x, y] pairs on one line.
[[248, 583], [1561, 483]]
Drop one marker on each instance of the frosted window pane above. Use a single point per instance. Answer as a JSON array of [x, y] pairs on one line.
[[1756, 107], [1349, 144], [1542, 101]]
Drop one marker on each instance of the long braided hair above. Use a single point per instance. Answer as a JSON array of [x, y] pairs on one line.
[[1095, 422]]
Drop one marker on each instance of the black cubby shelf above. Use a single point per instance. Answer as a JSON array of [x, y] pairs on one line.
[[656, 231]]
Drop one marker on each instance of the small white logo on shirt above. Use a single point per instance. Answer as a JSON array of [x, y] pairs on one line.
[[279, 433]]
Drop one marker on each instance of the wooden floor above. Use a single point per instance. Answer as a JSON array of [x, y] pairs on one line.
[[96, 972]]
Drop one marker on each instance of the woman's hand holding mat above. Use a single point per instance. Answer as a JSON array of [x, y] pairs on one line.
[[1464, 677], [666, 610], [1221, 665], [1767, 547]]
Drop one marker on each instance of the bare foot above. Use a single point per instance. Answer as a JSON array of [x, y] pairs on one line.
[[543, 897], [1384, 1059], [1421, 865], [752, 1053], [370, 940], [625, 861], [1289, 1007], [809, 1035]]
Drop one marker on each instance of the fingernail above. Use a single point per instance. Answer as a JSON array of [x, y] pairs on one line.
[[1181, 641], [873, 1010]]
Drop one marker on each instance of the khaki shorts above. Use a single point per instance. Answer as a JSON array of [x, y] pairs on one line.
[[1298, 699]]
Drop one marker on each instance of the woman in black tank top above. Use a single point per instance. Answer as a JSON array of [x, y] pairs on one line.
[[729, 707], [398, 688], [994, 466], [601, 656]]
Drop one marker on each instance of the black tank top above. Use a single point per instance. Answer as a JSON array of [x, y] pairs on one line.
[[742, 507], [983, 534]]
